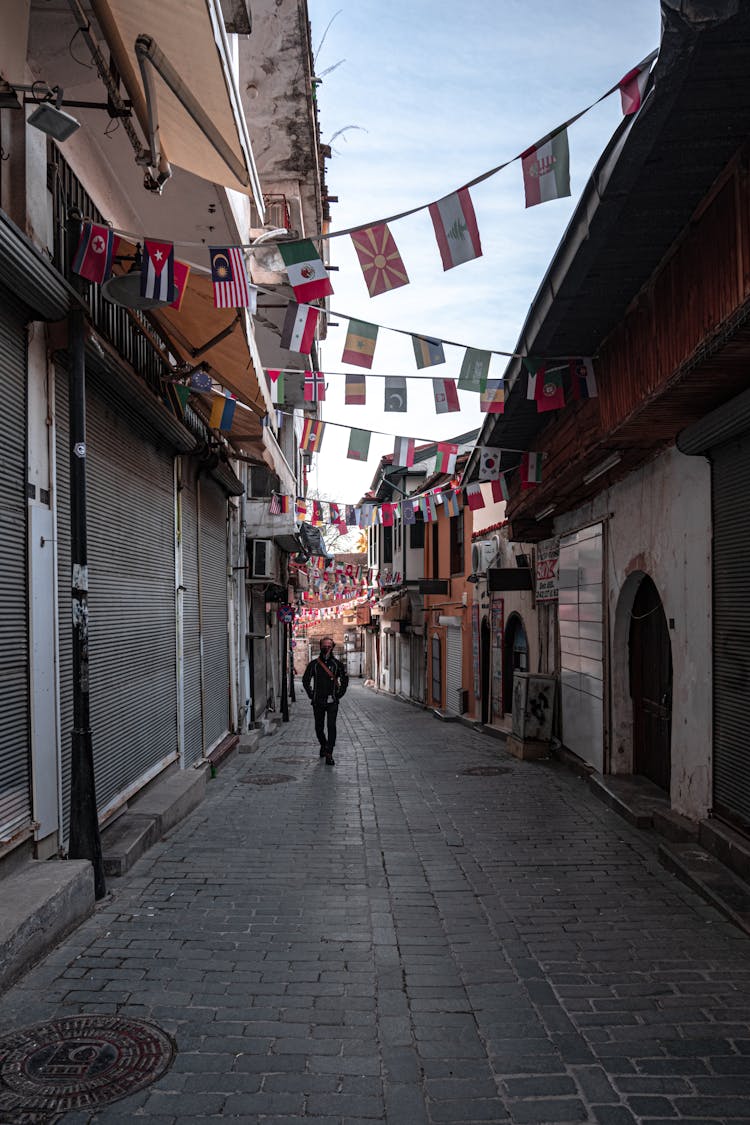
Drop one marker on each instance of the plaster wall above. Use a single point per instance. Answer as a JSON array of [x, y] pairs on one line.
[[658, 523]]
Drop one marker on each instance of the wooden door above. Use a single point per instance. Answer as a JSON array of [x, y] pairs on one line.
[[651, 686]]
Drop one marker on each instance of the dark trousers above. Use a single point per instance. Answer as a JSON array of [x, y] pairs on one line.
[[329, 709]]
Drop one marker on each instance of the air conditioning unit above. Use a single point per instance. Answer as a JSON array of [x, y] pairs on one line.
[[482, 554], [260, 558]]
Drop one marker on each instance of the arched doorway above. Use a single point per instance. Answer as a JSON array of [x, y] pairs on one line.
[[485, 666], [651, 686], [515, 656]]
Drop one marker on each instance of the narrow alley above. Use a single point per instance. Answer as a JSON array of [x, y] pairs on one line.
[[430, 931]]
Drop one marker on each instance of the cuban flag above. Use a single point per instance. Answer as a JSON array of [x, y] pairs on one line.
[[157, 271]]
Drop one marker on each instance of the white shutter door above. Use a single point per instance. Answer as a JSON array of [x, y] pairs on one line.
[[581, 611], [453, 670]]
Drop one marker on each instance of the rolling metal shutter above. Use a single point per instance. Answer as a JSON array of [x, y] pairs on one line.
[[214, 609], [15, 751], [130, 513], [453, 669], [731, 628], [191, 640]]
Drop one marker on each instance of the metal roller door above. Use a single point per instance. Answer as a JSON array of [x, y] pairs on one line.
[[15, 800], [731, 627], [453, 669], [132, 637], [214, 609], [191, 640]]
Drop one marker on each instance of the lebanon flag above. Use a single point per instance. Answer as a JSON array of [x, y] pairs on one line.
[[96, 248], [633, 86], [456, 229], [446, 396], [546, 169], [157, 271], [474, 497], [298, 332], [308, 276], [403, 452], [380, 260]]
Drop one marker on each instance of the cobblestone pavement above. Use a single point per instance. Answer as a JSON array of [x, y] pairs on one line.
[[393, 939]]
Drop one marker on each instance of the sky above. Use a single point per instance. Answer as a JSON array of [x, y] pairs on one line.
[[431, 94]]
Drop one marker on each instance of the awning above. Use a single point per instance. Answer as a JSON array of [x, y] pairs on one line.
[[184, 56]]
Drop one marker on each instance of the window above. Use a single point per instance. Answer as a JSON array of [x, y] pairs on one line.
[[435, 550], [457, 543], [387, 545], [416, 532]]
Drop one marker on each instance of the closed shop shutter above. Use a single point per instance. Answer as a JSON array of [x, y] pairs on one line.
[[132, 628], [404, 665], [453, 669], [214, 609], [191, 641], [581, 610], [15, 801], [731, 629]]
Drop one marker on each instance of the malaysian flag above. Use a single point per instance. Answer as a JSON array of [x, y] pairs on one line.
[[232, 290], [274, 508]]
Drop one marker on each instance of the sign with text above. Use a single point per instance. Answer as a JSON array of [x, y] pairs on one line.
[[547, 576]]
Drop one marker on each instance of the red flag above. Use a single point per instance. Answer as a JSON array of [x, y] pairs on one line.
[[96, 249], [474, 497], [181, 275], [315, 386], [500, 489], [379, 258]]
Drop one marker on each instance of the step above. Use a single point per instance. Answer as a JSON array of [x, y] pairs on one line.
[[728, 845], [249, 742], [42, 902], [711, 879], [170, 799], [126, 840], [634, 798]]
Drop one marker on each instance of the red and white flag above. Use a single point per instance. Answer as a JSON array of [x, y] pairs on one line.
[[315, 386], [232, 288], [298, 332], [93, 257], [157, 271], [456, 229], [446, 396], [633, 86], [546, 169], [474, 497], [500, 489], [181, 275], [403, 452]]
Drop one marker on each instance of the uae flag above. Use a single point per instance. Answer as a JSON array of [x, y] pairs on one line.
[[315, 386], [395, 394], [445, 457], [427, 352], [446, 396], [157, 271], [93, 257], [474, 497], [582, 378], [222, 412], [633, 86], [456, 229], [181, 275], [546, 169], [403, 452], [489, 462], [500, 489], [308, 276], [492, 400], [380, 260], [232, 288], [312, 435], [359, 346], [531, 469], [359, 445], [355, 390], [474, 370], [298, 331]]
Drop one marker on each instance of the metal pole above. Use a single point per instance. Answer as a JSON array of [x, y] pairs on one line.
[[285, 657], [85, 841], [292, 696]]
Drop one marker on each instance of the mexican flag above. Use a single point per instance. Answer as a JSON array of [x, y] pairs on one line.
[[456, 229], [546, 169], [308, 276], [359, 346]]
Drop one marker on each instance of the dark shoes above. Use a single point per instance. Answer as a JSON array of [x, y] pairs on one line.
[[329, 760], [323, 751]]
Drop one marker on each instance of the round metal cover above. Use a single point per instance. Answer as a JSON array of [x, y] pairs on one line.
[[267, 778], [486, 771], [77, 1062], [290, 761]]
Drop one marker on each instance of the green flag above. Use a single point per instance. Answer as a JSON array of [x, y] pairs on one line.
[[359, 445], [474, 370]]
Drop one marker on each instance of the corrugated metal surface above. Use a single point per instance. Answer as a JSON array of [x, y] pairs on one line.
[[581, 616], [132, 625], [453, 669], [191, 643], [214, 609], [731, 629], [15, 800]]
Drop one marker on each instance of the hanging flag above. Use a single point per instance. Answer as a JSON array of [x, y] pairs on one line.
[[451, 504], [366, 514], [359, 445], [300, 508], [582, 378], [428, 511], [549, 391], [474, 497], [359, 346], [456, 229], [386, 515], [222, 412], [474, 371], [308, 276], [395, 394], [312, 435], [492, 400], [489, 462], [437, 496], [315, 386], [445, 457], [232, 289], [298, 331], [531, 469], [274, 508], [407, 512], [446, 396], [546, 169], [285, 503], [273, 374], [95, 252], [200, 380], [176, 398], [380, 260], [355, 390], [157, 271], [317, 521], [403, 452], [633, 86], [351, 518], [427, 352], [500, 489], [181, 275]]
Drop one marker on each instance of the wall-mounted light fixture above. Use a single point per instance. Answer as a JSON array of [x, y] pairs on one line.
[[603, 467], [545, 512], [48, 116]]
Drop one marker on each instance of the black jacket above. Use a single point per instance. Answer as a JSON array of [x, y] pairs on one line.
[[325, 678]]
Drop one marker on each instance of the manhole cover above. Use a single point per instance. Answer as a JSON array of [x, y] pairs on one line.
[[76, 1062], [486, 771], [267, 778], [295, 761]]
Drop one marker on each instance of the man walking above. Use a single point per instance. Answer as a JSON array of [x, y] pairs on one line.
[[325, 680]]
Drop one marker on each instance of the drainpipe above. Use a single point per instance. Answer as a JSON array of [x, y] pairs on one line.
[[199, 538], [85, 841], [284, 674], [243, 627]]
